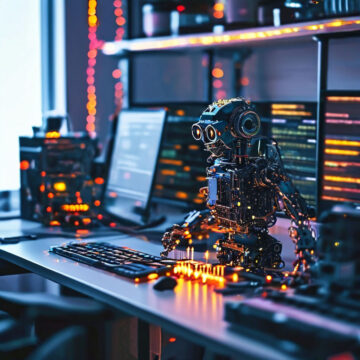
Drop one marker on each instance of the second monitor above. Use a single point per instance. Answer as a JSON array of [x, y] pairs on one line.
[[133, 164]]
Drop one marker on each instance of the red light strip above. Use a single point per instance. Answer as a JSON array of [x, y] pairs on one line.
[[336, 188], [120, 31], [94, 46], [336, 115], [333, 198]]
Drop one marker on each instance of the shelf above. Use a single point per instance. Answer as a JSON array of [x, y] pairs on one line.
[[233, 38]]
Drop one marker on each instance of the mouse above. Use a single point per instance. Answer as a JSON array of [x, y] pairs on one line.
[[165, 283]]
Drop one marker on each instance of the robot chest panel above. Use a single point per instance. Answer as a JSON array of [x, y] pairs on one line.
[[240, 199]]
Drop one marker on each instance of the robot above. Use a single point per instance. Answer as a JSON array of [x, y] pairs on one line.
[[247, 185]]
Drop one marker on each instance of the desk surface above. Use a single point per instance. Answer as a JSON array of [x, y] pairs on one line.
[[193, 311]]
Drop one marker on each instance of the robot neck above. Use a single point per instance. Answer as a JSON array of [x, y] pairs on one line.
[[239, 152]]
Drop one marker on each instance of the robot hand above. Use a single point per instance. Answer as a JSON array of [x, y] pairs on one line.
[[197, 224], [173, 237], [305, 244]]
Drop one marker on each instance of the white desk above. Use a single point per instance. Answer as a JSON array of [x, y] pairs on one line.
[[192, 311]]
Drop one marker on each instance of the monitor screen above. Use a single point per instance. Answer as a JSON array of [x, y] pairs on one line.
[[182, 162], [341, 156], [133, 163], [293, 126]]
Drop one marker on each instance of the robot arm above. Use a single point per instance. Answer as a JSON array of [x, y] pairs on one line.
[[196, 224], [296, 209]]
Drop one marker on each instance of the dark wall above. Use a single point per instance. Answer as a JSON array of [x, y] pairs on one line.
[[76, 62]]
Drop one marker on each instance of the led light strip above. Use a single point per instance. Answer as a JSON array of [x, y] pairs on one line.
[[120, 31], [233, 37], [94, 45]]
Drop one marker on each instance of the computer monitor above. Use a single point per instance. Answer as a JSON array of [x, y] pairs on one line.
[[293, 126], [182, 162], [340, 181], [133, 163]]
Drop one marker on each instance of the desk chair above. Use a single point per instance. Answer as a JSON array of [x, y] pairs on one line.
[[43, 327]]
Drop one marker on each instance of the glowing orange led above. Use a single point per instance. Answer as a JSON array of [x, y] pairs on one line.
[[218, 14], [152, 276], [342, 142], [75, 207], [120, 31], [181, 195], [334, 198], [99, 181], [42, 188], [287, 106], [81, 231], [52, 134], [342, 179], [290, 112], [97, 202], [217, 73], [24, 165], [94, 44], [50, 195], [343, 98], [219, 7], [342, 152], [341, 189], [86, 221], [172, 340], [100, 216], [55, 223], [168, 172], [59, 186], [49, 209], [171, 162]]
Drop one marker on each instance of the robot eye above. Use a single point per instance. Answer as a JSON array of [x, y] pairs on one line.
[[211, 133], [248, 124], [197, 132]]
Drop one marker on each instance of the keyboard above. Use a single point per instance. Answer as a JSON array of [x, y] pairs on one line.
[[119, 260]]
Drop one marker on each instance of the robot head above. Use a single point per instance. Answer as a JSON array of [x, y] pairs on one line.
[[224, 122]]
